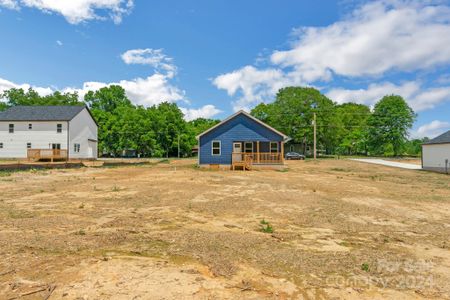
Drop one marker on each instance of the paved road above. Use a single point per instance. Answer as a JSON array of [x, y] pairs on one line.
[[389, 163]]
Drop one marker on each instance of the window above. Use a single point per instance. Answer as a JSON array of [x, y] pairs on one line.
[[248, 147], [59, 128], [28, 145], [1, 145], [216, 148], [56, 146], [30, 126], [11, 128], [76, 148], [273, 147]]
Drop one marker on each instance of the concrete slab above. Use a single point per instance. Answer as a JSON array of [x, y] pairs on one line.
[[388, 163]]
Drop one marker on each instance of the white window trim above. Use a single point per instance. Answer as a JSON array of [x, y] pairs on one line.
[[30, 126], [1, 145], [270, 147], [245, 147], [212, 148], [59, 126]]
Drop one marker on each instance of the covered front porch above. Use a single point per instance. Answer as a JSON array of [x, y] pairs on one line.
[[246, 154]]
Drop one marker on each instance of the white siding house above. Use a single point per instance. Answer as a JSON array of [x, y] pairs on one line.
[[70, 128], [436, 154]]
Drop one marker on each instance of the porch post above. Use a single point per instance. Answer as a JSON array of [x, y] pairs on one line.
[[282, 151], [257, 152]]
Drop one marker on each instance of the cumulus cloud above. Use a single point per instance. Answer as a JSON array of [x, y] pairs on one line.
[[147, 91], [376, 38], [11, 4], [152, 57], [77, 11], [432, 130], [207, 111], [254, 84], [419, 98], [6, 85]]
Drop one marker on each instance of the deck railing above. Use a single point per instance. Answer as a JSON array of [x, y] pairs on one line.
[[38, 154], [259, 157]]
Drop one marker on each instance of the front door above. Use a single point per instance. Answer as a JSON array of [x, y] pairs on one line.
[[237, 151], [237, 147]]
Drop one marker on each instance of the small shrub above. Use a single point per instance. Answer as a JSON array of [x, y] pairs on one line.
[[115, 188], [80, 232], [266, 227], [81, 206], [365, 267]]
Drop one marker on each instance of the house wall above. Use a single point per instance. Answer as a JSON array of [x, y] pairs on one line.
[[41, 136], [240, 128], [82, 128], [434, 156]]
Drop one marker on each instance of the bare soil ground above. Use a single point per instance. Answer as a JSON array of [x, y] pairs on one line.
[[341, 230]]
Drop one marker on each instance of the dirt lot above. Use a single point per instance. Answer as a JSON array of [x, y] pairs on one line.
[[341, 229]]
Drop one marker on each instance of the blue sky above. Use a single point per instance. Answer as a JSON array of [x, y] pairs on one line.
[[215, 57]]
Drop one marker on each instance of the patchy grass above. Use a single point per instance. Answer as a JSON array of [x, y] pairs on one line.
[[194, 229]]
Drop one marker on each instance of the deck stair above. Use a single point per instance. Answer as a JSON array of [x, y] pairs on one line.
[[245, 163]]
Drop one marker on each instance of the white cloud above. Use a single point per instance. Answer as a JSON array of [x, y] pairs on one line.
[[11, 4], [207, 111], [376, 38], [147, 91], [431, 130], [419, 98], [77, 11], [6, 85], [59, 43], [255, 85], [152, 57]]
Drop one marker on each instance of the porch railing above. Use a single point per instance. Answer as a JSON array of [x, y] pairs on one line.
[[38, 154], [259, 157]]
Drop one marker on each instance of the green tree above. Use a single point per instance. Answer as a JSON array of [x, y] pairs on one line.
[[16, 97], [352, 120], [389, 124], [292, 113]]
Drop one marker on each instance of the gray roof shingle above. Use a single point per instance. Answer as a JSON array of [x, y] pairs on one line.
[[442, 139], [40, 113]]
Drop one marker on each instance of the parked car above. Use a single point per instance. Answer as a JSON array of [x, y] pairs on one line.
[[294, 155]]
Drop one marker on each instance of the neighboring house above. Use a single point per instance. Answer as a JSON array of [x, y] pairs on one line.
[[48, 132], [241, 141], [436, 154]]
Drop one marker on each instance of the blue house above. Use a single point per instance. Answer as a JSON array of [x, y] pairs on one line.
[[241, 141]]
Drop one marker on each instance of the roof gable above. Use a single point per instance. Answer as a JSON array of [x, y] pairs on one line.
[[442, 139], [40, 113], [241, 112]]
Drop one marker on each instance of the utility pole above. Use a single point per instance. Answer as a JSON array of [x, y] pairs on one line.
[[315, 137]]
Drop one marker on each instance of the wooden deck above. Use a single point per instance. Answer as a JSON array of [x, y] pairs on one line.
[[247, 160], [47, 154]]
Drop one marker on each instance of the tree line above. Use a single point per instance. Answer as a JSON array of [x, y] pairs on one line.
[[349, 128], [156, 131], [161, 130]]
